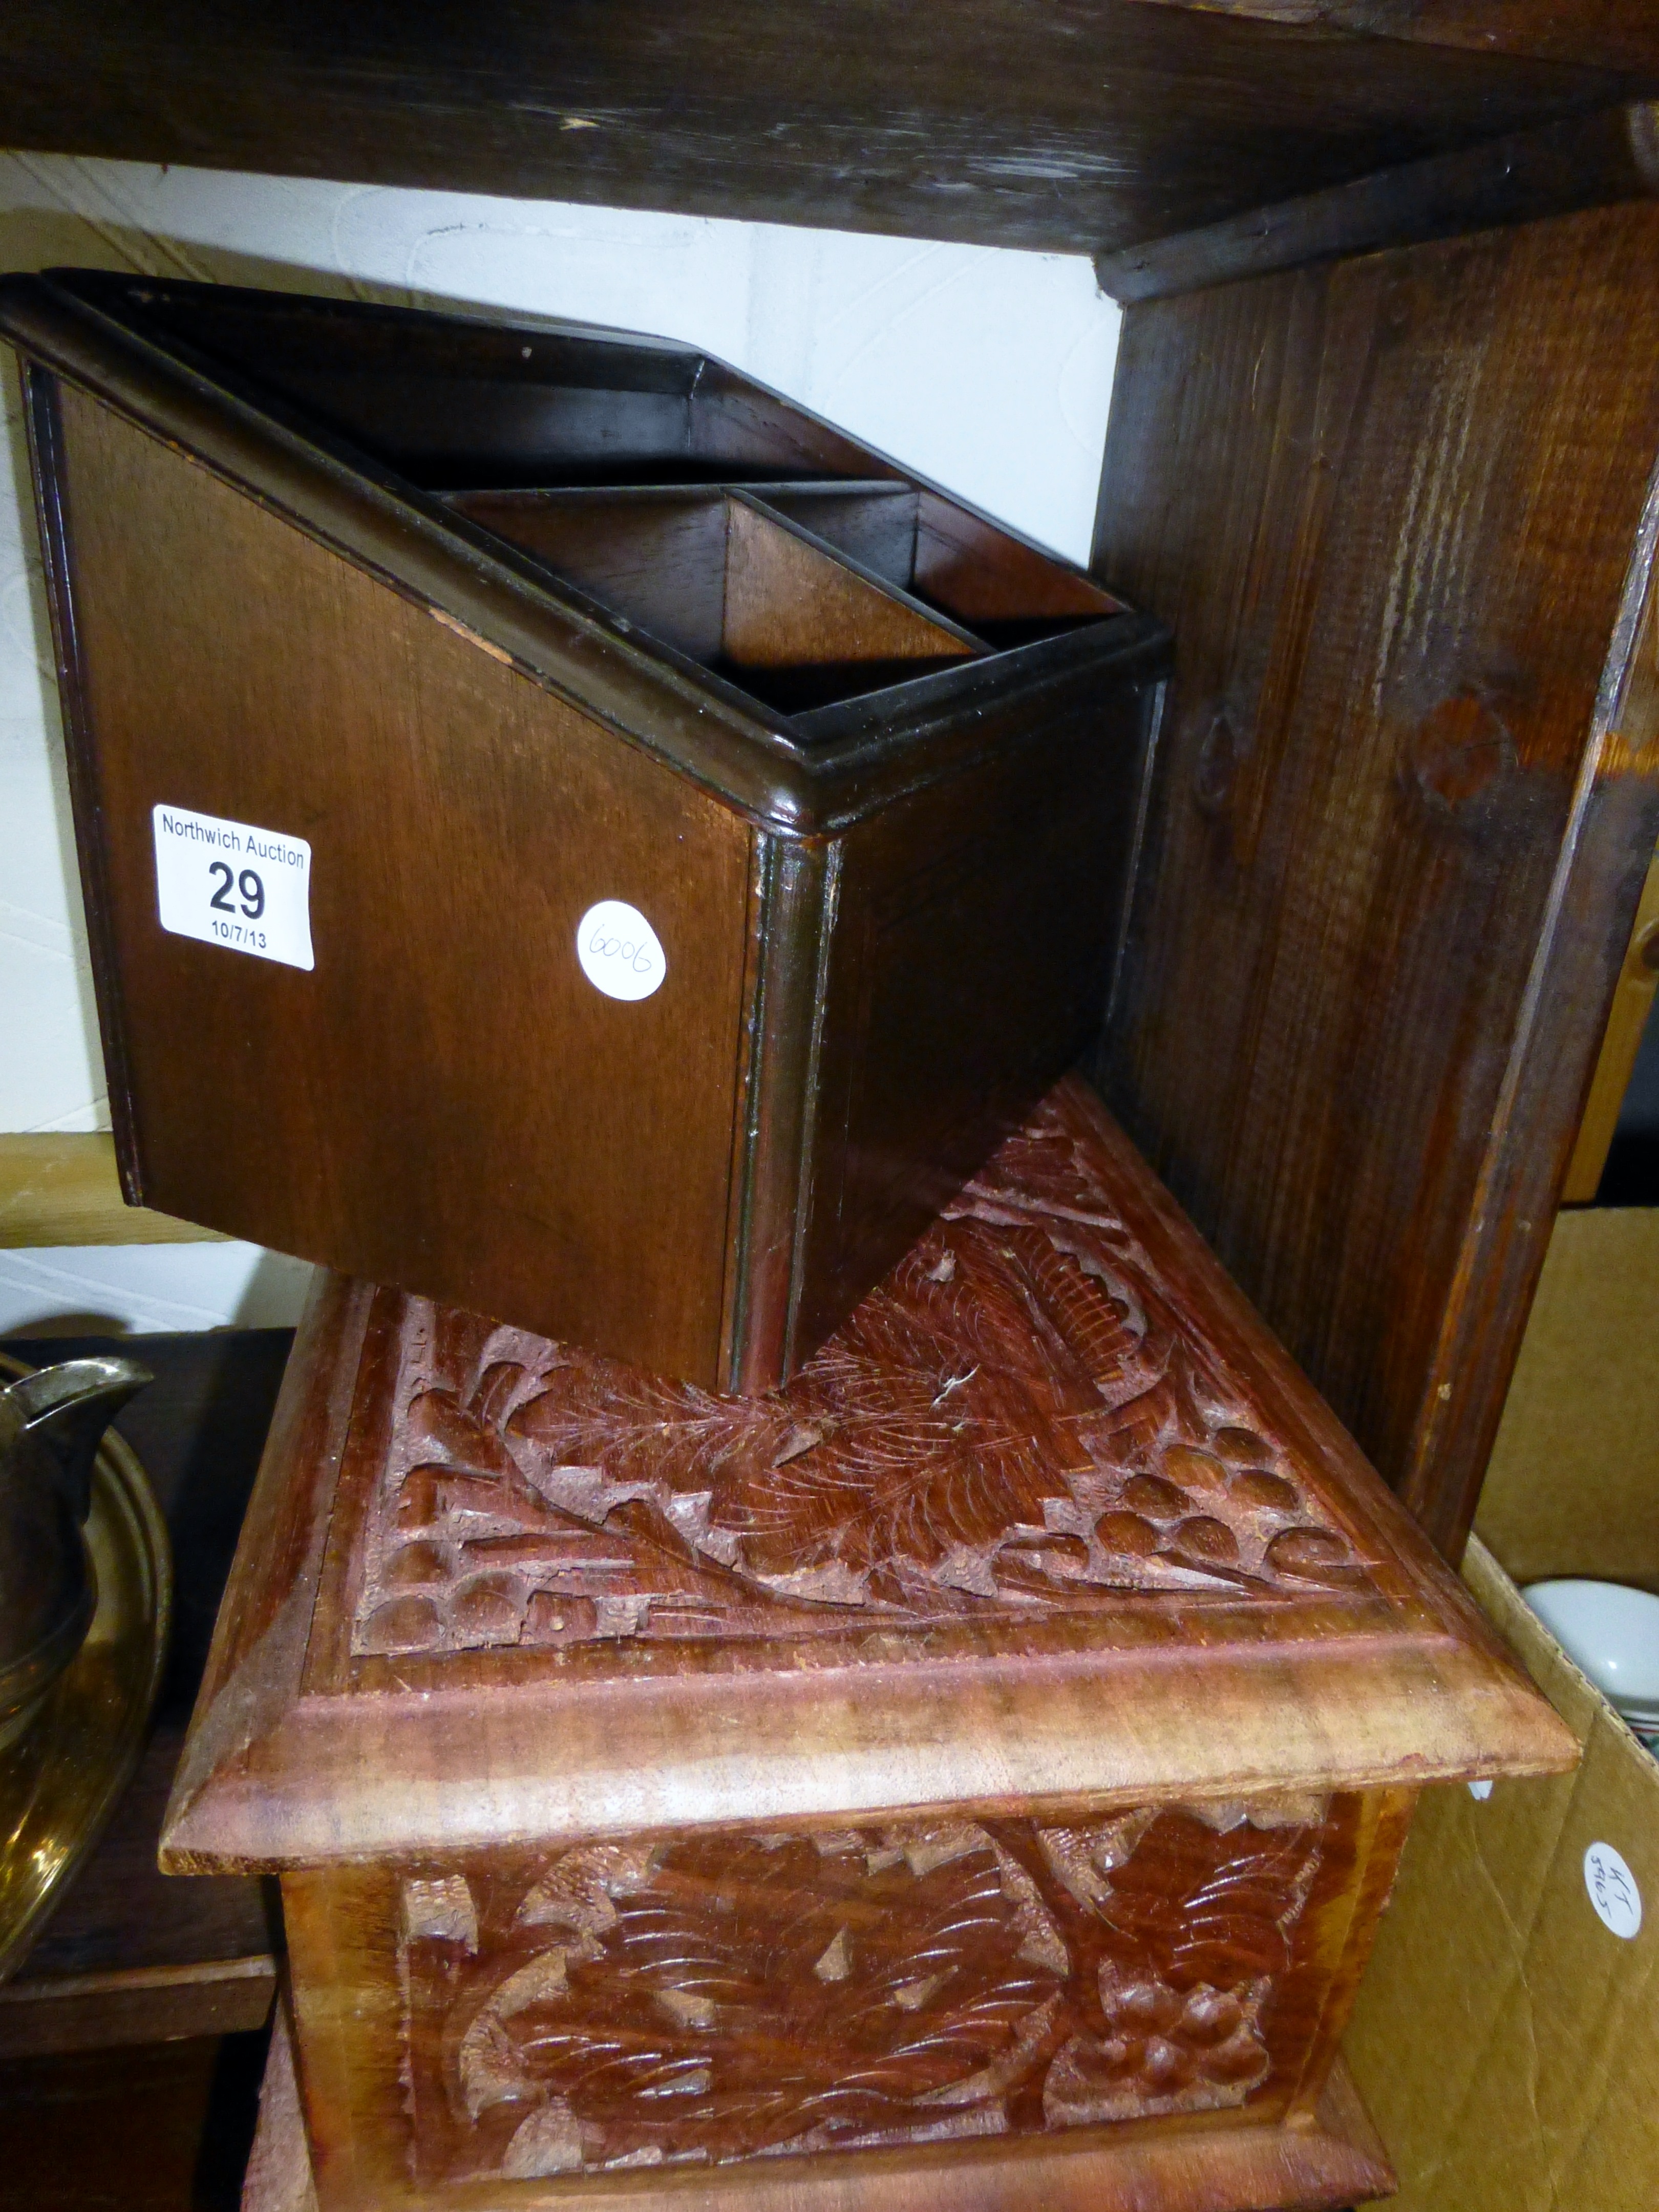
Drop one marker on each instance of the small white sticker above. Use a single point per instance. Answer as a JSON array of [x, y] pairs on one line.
[[229, 884], [619, 951], [1480, 1791], [1613, 1890]]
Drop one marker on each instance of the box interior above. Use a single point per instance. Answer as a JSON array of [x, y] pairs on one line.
[[726, 580], [727, 523]]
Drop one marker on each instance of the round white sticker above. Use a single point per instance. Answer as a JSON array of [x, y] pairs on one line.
[[619, 951], [1613, 1890]]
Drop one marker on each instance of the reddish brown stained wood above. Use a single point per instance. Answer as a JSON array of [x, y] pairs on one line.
[[753, 1628], [722, 2000], [1328, 2156], [1398, 512], [915, 1995], [1019, 1419]]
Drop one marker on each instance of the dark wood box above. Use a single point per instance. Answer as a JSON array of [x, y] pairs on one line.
[[421, 645], [968, 1777]]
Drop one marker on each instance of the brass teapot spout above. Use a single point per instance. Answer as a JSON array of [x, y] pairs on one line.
[[50, 1425]]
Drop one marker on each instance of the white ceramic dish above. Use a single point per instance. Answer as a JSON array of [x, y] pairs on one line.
[[1613, 1632]]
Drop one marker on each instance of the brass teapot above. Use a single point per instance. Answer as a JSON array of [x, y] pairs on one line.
[[51, 1423]]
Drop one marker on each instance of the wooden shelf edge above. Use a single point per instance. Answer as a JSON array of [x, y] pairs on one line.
[[142, 2004], [57, 1190], [1598, 160]]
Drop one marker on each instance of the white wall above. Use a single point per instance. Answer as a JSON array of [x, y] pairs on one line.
[[989, 371]]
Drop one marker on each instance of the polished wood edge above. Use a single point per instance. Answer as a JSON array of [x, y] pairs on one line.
[[45, 436], [256, 1658], [1633, 1002], [1321, 2156], [551, 1766], [279, 2177], [800, 882], [1589, 161], [66, 1189], [736, 1282], [1385, 1819], [138, 2004], [508, 604]]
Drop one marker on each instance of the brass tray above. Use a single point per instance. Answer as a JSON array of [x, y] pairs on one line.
[[61, 1781]]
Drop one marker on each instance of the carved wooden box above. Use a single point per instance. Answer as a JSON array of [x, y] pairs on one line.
[[564, 831], [970, 1774]]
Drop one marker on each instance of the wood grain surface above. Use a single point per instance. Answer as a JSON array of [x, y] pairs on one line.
[[726, 579], [64, 1189], [869, 841], [901, 1620], [945, 1458], [1091, 125], [1605, 33], [1327, 2156], [913, 1993], [463, 818], [1398, 512], [1587, 161]]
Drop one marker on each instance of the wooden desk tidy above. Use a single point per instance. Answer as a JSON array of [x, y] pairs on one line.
[[696, 843], [970, 1774]]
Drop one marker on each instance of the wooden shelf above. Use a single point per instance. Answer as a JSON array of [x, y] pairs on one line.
[[1089, 125], [65, 1190]]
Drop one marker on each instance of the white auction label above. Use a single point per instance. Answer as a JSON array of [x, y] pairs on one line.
[[619, 951], [229, 884], [1613, 1890]]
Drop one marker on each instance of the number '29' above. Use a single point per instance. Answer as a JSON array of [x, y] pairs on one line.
[[253, 891]]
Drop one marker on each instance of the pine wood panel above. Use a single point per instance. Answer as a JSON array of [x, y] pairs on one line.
[[67, 1190], [1398, 512]]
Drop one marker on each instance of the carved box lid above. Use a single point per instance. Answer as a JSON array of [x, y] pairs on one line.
[[1052, 1519]]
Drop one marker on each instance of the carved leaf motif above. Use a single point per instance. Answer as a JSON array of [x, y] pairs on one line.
[[726, 1997], [760, 1993], [1018, 1419]]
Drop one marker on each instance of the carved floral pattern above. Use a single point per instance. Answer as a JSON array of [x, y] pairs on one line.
[[704, 1999], [1018, 1419]]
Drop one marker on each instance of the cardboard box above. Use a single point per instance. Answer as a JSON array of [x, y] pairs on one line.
[[1505, 2041]]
